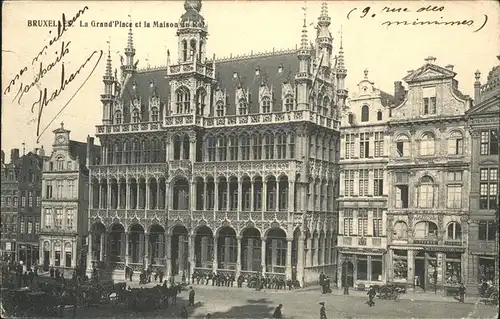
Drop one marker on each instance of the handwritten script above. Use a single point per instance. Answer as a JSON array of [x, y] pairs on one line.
[[21, 85], [370, 13]]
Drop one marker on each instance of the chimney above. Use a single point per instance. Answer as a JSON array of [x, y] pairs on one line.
[[450, 67], [477, 86], [14, 155], [3, 157], [399, 92], [90, 147]]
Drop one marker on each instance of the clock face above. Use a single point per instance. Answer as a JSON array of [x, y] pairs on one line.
[[61, 139]]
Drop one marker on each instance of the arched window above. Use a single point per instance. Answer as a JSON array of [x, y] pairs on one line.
[[200, 50], [183, 101], [137, 151], [454, 231], [220, 108], [60, 163], [177, 147], [186, 147], [155, 150], [245, 148], [118, 117], [146, 149], [163, 152], [426, 230], [281, 145], [291, 145], [455, 143], [200, 101], [242, 107], [222, 147], [193, 49], [135, 116], [211, 145], [400, 230], [266, 105], [184, 50], [118, 152], [110, 153], [427, 144], [379, 116], [268, 146], [402, 146], [350, 118], [365, 113], [326, 105], [288, 103], [127, 159], [426, 192], [154, 114]]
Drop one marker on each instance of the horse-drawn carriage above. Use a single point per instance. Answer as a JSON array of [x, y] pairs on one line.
[[146, 299]]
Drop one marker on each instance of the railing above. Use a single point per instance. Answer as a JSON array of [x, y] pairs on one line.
[[425, 241], [453, 242], [128, 127]]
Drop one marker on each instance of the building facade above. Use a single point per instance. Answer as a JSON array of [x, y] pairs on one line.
[[64, 224], [363, 186], [484, 123], [10, 201], [29, 207], [220, 164], [429, 174]]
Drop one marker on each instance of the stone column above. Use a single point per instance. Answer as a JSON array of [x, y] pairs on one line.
[[148, 190], [126, 247], [291, 196], [118, 195], [108, 196], [228, 195], [73, 255], [215, 262], [101, 257], [192, 196], [289, 258], [216, 195], [252, 199], [205, 197], [239, 205], [158, 194], [410, 280], [167, 198], [264, 196], [238, 255], [138, 194], [192, 261], [89, 252], [101, 194], [146, 249], [192, 148], [309, 261], [300, 260], [263, 254], [127, 195], [277, 208], [168, 257]]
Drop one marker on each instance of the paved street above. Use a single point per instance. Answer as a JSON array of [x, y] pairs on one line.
[[247, 303]]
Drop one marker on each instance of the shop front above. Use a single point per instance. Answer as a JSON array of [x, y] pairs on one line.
[[28, 253], [361, 269]]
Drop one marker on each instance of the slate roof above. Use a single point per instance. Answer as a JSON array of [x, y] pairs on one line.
[[79, 149], [224, 72], [386, 99]]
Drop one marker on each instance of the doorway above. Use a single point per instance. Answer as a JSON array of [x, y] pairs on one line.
[[347, 274]]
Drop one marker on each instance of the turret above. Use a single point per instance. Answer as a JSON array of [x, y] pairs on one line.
[[341, 73], [324, 38], [302, 78], [129, 66], [477, 86], [107, 98], [192, 33]]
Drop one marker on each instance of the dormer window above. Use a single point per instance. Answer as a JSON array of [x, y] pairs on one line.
[[219, 109], [365, 113], [154, 114], [266, 105], [242, 107], [135, 116], [118, 117], [429, 103], [289, 103]]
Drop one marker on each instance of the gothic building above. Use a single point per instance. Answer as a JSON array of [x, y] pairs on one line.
[[484, 123], [428, 172], [10, 187], [223, 165], [364, 185], [65, 201]]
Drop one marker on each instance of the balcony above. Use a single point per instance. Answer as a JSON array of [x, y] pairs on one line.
[[128, 127], [425, 241], [453, 242], [186, 68]]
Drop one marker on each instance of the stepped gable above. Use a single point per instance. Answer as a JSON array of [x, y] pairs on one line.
[[246, 68]]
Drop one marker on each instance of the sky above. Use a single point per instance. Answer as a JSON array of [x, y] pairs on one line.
[[235, 27]]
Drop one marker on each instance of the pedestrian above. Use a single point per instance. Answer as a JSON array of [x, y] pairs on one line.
[[184, 313], [322, 311], [371, 296], [461, 292], [322, 282], [191, 297], [277, 311]]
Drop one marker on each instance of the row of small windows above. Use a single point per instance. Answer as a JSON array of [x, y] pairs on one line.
[[27, 199], [427, 144], [254, 147], [136, 151], [365, 115], [136, 117]]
